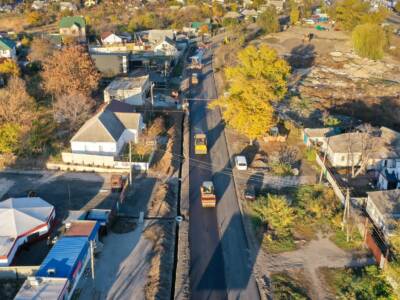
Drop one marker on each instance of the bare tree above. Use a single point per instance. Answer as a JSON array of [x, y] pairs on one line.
[[70, 70], [361, 147], [16, 105], [73, 109]]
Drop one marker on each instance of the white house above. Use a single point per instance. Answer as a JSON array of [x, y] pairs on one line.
[[7, 48], [389, 178], [107, 132], [347, 149], [132, 90], [22, 220], [166, 47], [383, 207], [110, 38]]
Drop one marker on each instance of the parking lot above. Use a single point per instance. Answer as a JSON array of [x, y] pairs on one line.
[[66, 191]]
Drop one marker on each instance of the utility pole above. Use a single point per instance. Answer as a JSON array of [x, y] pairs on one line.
[[130, 163], [92, 258], [152, 98], [346, 214]]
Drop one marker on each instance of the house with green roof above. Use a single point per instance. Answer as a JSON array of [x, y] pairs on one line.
[[7, 48], [73, 27]]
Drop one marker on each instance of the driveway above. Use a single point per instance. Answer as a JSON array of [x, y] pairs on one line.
[[121, 269]]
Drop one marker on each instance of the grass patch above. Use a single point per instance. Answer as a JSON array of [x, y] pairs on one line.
[[285, 286], [357, 283], [278, 245], [339, 238], [310, 154]]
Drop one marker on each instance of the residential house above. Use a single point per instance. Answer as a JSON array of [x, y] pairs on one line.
[[110, 38], [347, 149], [38, 5], [73, 27], [133, 90], [166, 47], [107, 132], [383, 207], [7, 48], [67, 6]]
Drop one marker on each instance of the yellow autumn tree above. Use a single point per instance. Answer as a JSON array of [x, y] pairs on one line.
[[255, 84], [10, 68]]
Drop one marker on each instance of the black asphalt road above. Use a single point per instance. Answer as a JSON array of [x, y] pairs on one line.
[[220, 263]]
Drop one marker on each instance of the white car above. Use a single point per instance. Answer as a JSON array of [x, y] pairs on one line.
[[240, 162]]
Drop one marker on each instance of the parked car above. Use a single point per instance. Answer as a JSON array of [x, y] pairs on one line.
[[250, 192], [240, 162]]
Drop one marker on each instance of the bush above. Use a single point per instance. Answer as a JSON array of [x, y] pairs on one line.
[[369, 40], [358, 283], [310, 154], [281, 169]]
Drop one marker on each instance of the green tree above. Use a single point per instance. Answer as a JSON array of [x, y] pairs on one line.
[[10, 135], [369, 40], [268, 20], [350, 13], [255, 83], [279, 214]]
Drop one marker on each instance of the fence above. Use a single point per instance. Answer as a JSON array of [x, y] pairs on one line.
[[331, 179], [16, 272], [91, 162]]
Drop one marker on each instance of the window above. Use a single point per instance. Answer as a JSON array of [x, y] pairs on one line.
[[343, 158]]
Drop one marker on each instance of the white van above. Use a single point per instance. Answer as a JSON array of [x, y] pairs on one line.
[[240, 162]]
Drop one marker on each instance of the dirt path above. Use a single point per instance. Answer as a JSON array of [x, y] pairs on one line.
[[314, 255]]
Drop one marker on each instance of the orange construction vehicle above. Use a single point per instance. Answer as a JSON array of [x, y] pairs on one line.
[[208, 198]]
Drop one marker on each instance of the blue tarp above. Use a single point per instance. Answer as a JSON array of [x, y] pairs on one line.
[[66, 256]]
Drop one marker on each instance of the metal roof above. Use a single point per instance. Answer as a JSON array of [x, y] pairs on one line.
[[64, 257], [42, 288], [83, 228]]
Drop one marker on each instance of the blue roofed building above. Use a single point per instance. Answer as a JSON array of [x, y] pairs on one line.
[[67, 259]]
